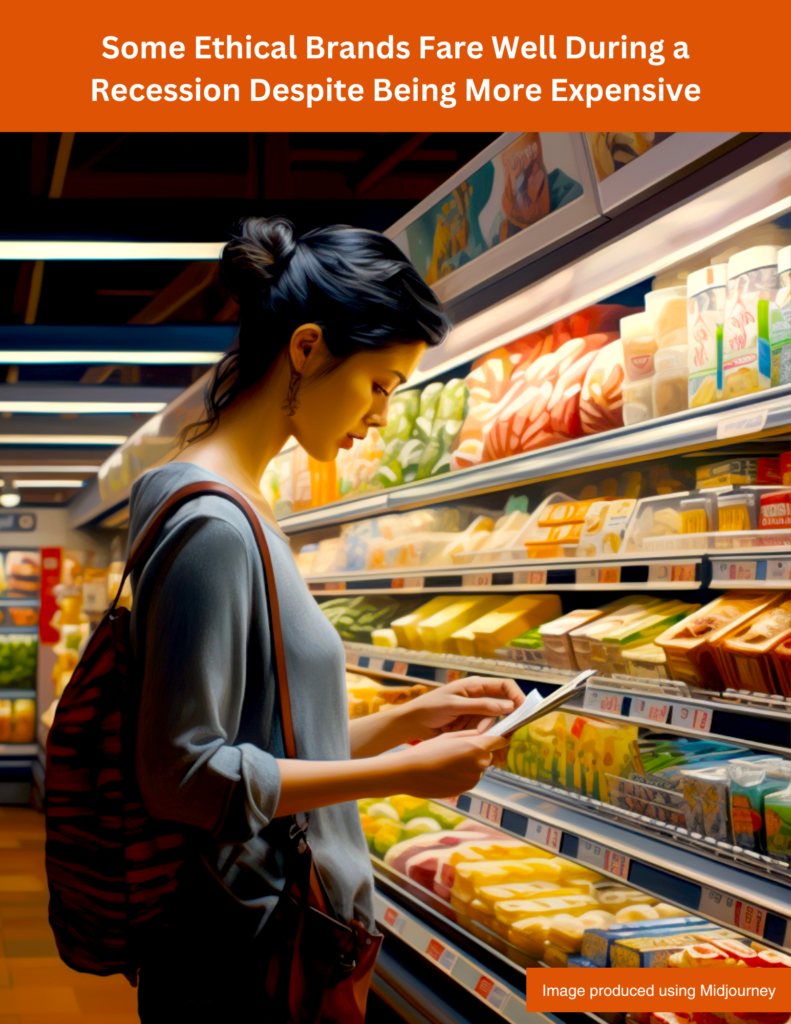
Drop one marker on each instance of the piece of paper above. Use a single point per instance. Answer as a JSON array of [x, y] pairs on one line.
[[512, 722]]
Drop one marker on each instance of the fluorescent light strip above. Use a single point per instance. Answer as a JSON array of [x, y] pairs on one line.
[[70, 408], [61, 484], [49, 250], [63, 439], [49, 469], [36, 358]]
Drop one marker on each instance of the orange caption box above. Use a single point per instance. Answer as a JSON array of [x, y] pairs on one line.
[[698, 989]]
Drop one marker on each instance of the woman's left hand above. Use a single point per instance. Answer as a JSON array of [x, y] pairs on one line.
[[469, 703]]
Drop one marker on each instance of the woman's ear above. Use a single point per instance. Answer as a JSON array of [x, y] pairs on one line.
[[306, 346]]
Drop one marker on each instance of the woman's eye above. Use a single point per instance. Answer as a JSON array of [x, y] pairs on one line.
[[380, 390]]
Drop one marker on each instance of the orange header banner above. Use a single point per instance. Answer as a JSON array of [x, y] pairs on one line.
[[205, 66], [742, 991]]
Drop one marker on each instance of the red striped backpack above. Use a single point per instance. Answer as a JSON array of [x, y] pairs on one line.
[[111, 867]]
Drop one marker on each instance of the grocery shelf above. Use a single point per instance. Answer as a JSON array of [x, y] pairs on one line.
[[18, 749], [750, 570], [490, 988], [755, 720], [6, 693], [761, 413], [750, 902]]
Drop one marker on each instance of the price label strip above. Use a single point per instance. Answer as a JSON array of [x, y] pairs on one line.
[[477, 579], [732, 911], [598, 856], [649, 710], [533, 578], [400, 668], [407, 583], [544, 835], [486, 811], [602, 700], [395, 920], [492, 993], [696, 719]]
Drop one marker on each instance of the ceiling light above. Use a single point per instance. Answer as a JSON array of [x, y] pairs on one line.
[[63, 439], [9, 498], [49, 469], [29, 357], [48, 483], [70, 408], [40, 249]]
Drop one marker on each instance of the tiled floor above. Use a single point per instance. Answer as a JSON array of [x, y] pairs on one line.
[[36, 987]]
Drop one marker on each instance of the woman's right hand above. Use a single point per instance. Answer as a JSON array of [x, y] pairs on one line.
[[448, 764]]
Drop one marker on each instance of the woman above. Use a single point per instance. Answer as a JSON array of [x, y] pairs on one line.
[[330, 325]]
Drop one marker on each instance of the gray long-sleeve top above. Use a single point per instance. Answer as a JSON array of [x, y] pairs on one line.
[[209, 731]]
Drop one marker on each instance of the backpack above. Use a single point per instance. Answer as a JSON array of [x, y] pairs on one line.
[[111, 867]]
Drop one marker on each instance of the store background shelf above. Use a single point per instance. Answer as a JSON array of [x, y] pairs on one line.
[[753, 904], [755, 720], [761, 413]]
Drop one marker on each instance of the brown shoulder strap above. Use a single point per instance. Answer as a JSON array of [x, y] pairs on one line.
[[148, 536]]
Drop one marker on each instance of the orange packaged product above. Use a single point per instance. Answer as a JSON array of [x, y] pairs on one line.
[[781, 659], [749, 649], [565, 512], [689, 645]]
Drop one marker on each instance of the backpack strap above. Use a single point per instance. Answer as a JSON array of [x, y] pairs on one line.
[[145, 542]]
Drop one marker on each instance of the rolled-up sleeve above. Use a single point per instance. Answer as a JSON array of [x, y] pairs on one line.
[[194, 626]]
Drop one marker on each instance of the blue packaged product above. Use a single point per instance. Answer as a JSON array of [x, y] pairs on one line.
[[596, 942]]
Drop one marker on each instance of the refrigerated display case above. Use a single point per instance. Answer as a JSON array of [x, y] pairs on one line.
[[544, 462]]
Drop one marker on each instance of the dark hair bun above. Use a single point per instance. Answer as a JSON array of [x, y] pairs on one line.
[[257, 255]]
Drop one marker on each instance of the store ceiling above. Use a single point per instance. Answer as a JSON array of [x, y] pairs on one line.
[[158, 187]]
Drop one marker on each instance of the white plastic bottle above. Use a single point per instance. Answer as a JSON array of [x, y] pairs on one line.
[[706, 291]]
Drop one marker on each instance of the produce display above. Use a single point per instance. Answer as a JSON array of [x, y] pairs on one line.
[[18, 659], [17, 721]]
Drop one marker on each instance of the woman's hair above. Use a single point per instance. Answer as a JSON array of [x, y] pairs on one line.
[[355, 284]]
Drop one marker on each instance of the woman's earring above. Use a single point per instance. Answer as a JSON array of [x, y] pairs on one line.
[[291, 404]]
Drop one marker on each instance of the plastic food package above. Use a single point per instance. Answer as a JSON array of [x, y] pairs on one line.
[[638, 401], [509, 911], [604, 526], [451, 411], [405, 627], [601, 404], [646, 662], [667, 308], [435, 631], [470, 876], [777, 808], [779, 340], [737, 510], [689, 644], [357, 467], [491, 895], [750, 784], [752, 284], [639, 346], [670, 382], [673, 522], [638, 632], [555, 635], [617, 615], [775, 511], [706, 293]]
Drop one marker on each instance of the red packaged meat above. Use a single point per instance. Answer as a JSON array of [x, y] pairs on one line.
[[601, 404]]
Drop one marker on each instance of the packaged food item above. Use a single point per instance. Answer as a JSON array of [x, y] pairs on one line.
[[672, 522], [775, 511], [646, 662], [473, 875], [654, 951], [23, 573], [405, 627], [706, 294], [616, 899], [637, 912], [750, 647], [6, 710], [435, 632], [638, 401], [774, 362], [601, 402], [752, 284], [451, 411], [749, 786], [527, 611], [586, 640], [509, 911], [726, 474], [491, 895], [777, 810], [670, 381], [688, 645], [556, 637], [785, 469], [594, 750], [737, 510], [667, 308], [604, 526], [531, 935], [706, 791], [23, 721], [635, 633], [18, 660], [597, 942], [639, 346]]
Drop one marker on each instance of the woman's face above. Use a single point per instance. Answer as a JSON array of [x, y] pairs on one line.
[[339, 406]]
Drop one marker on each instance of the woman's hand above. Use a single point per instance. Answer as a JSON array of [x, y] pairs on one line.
[[467, 704], [449, 764]]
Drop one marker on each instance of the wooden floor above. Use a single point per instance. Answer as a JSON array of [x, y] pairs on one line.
[[36, 987]]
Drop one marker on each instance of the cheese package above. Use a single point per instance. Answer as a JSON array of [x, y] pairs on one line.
[[636, 633], [527, 611], [491, 895], [646, 662], [509, 911], [615, 900], [604, 526], [537, 750], [498, 849], [594, 750], [435, 632], [384, 638], [613, 615], [748, 650], [556, 637], [471, 876], [656, 950], [597, 942], [569, 871], [405, 628], [689, 644], [565, 932], [637, 912], [530, 935]]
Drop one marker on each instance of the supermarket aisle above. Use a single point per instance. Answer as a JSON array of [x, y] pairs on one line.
[[35, 986]]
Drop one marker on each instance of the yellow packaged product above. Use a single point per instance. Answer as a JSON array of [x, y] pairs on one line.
[[384, 638], [564, 512], [565, 933], [474, 875], [494, 630], [506, 531], [405, 628], [491, 895], [530, 935], [477, 911], [568, 871], [627, 622], [637, 912], [689, 644], [546, 748], [509, 911], [497, 849], [435, 631], [594, 750], [615, 900], [646, 662], [603, 529], [554, 956]]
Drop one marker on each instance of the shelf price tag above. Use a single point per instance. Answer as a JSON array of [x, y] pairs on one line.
[[445, 957], [394, 920], [740, 424], [602, 700], [407, 582], [779, 570], [491, 993], [376, 664], [451, 674], [488, 812], [598, 856], [543, 835], [732, 911], [697, 719], [477, 579], [531, 578], [726, 572], [400, 668], [662, 572], [649, 710], [591, 575], [617, 864]]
